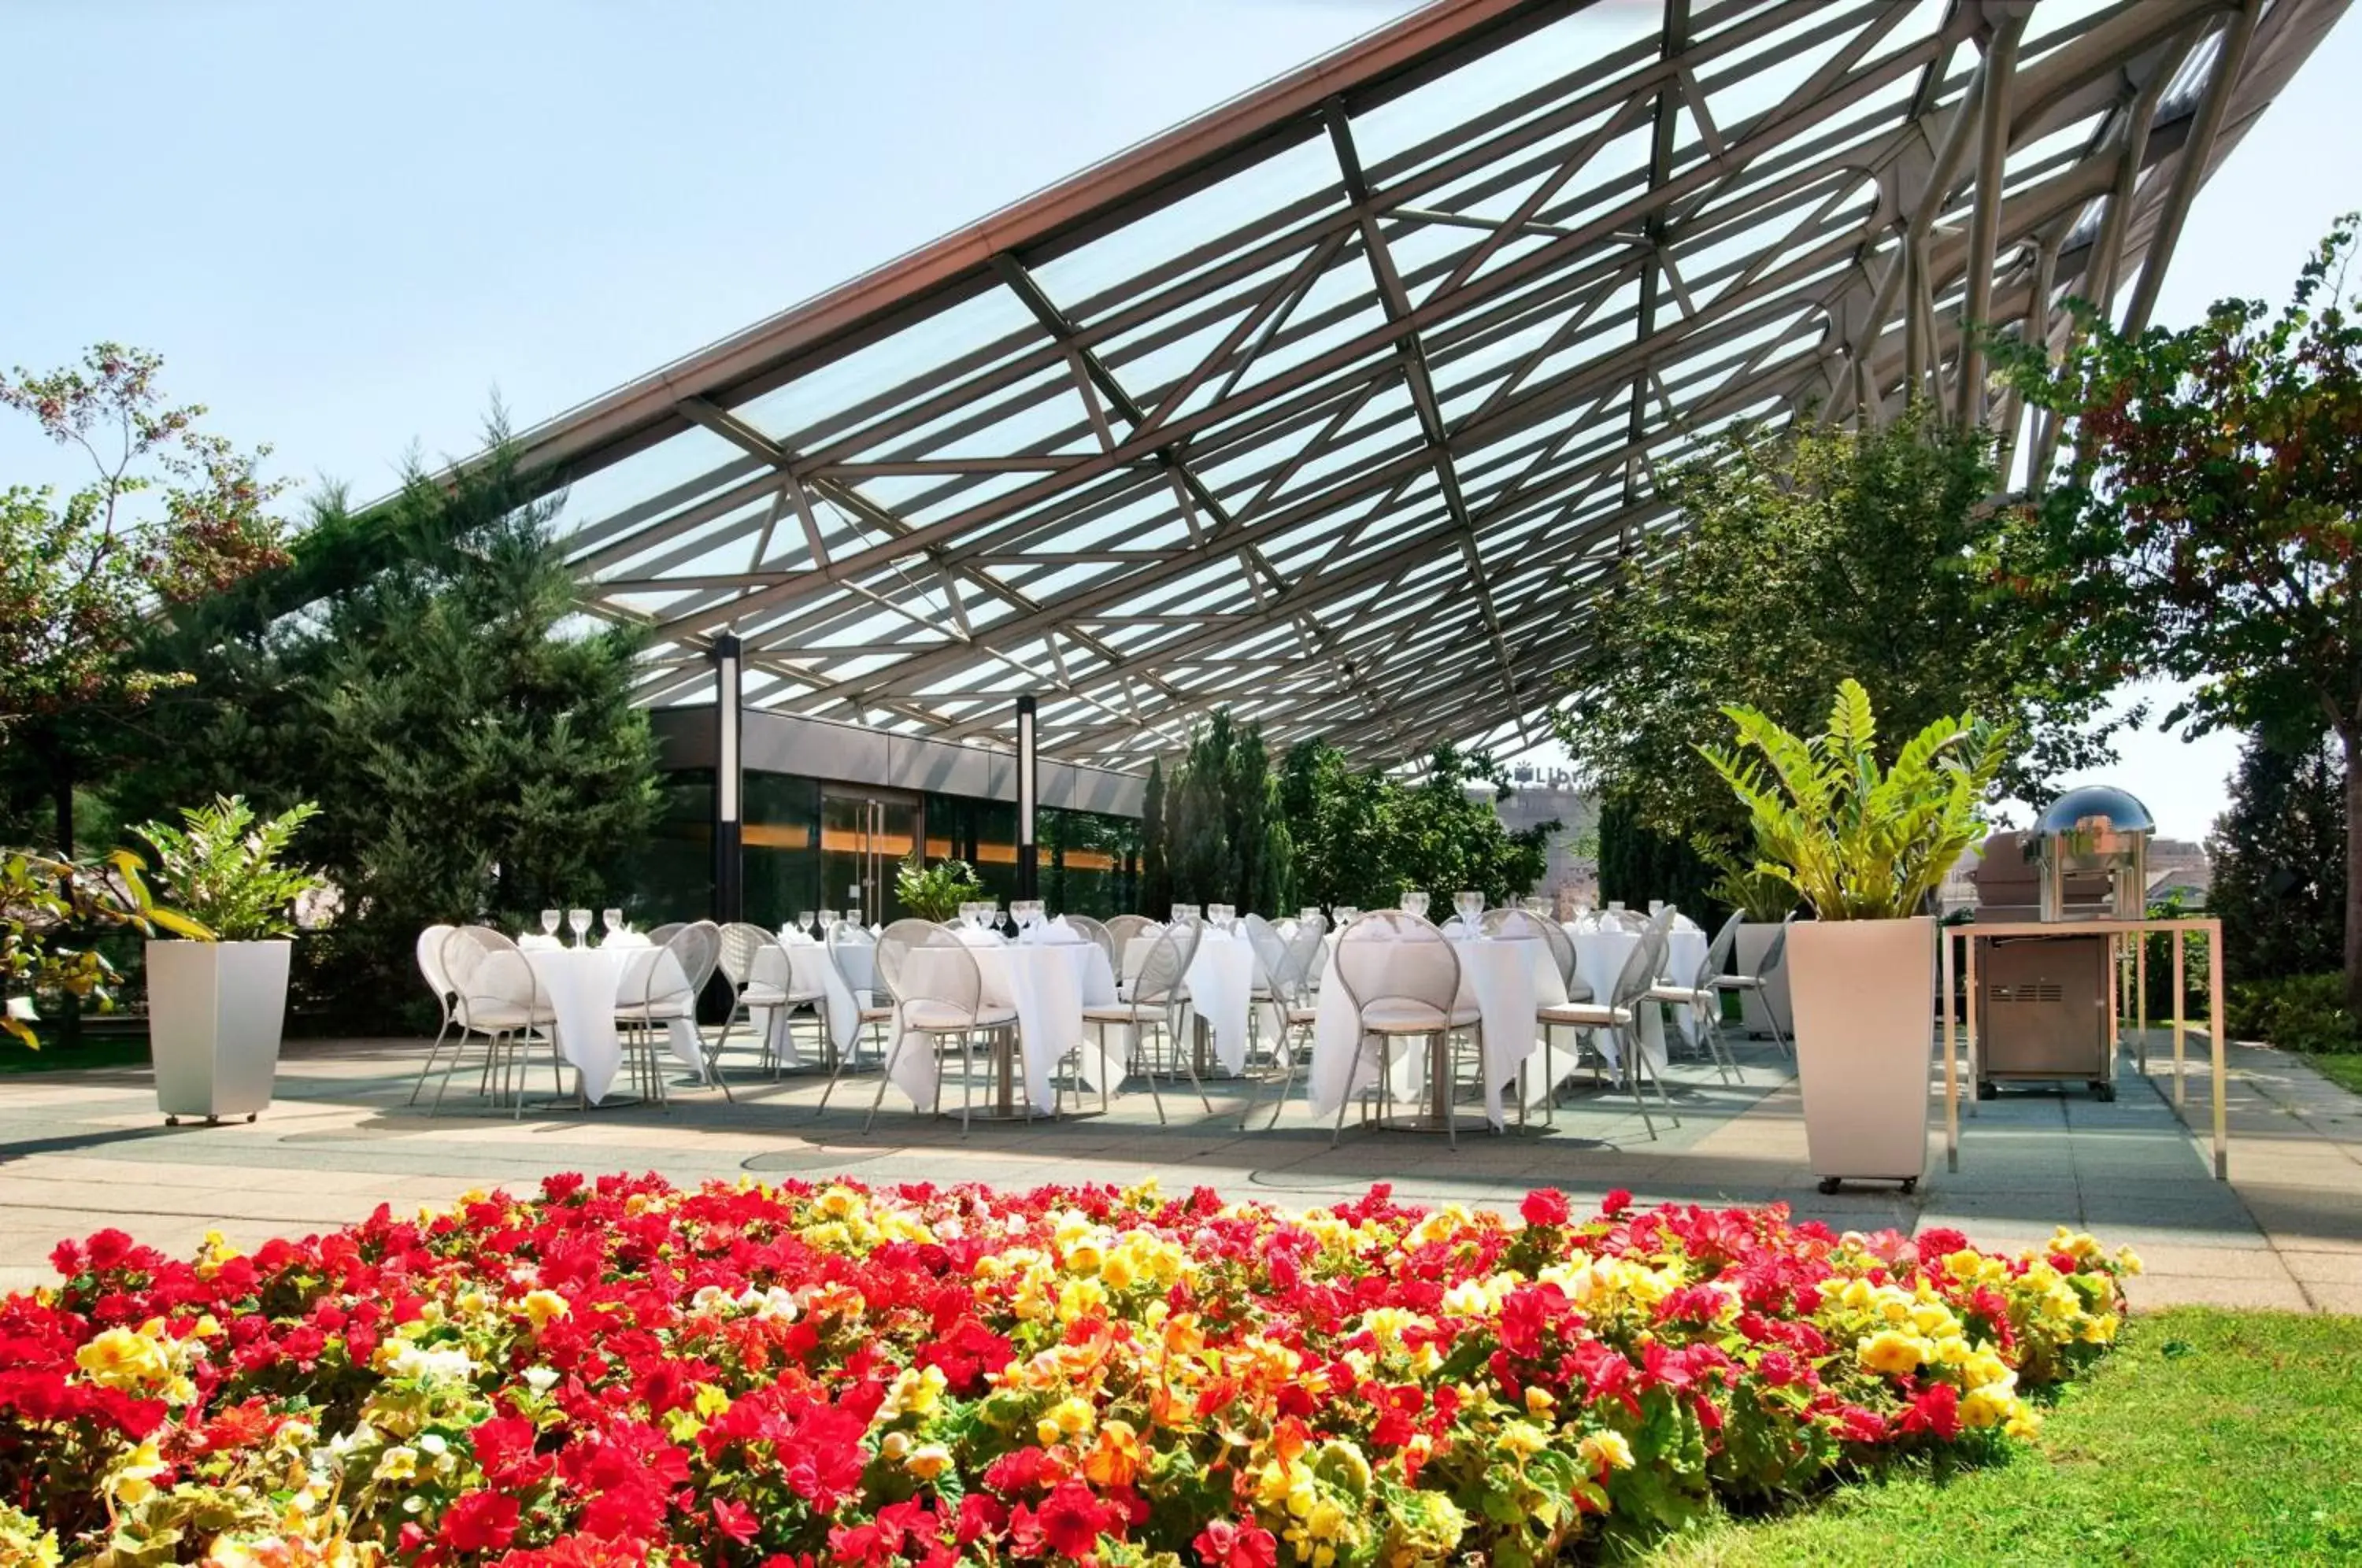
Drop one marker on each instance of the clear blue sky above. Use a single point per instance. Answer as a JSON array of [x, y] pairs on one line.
[[346, 226]]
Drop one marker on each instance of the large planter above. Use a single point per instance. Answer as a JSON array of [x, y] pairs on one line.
[[1758, 1009], [1862, 992], [214, 1013]]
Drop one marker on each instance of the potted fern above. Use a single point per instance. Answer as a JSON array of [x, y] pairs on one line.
[[1865, 848], [216, 1009]]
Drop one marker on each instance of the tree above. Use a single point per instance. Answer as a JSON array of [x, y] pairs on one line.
[[2279, 857], [173, 513], [1362, 838], [2205, 522], [1807, 559], [470, 739], [1155, 871]]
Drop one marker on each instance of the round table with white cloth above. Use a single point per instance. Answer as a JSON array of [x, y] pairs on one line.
[[1506, 980], [799, 966], [1220, 982], [585, 986], [1047, 980], [1599, 957]]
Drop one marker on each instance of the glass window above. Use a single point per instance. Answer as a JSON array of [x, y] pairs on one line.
[[781, 853], [672, 874]]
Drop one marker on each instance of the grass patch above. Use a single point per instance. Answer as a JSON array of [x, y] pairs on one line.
[[2208, 1437], [115, 1050], [2341, 1067]]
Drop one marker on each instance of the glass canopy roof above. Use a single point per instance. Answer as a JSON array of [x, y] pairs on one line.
[[1336, 404]]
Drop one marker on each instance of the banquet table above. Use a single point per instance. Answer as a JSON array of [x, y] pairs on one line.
[[1221, 985], [585, 985], [1599, 958], [1047, 981], [799, 965], [1507, 980]]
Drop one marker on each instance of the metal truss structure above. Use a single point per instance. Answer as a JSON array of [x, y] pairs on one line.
[[1336, 404]]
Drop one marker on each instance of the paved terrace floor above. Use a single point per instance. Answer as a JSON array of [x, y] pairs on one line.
[[82, 1151]]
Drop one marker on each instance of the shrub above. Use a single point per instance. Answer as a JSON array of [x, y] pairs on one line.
[[617, 1372], [2300, 1012]]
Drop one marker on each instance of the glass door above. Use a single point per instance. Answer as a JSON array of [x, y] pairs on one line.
[[864, 839]]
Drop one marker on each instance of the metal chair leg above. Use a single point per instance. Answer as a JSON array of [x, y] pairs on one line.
[[886, 1076]]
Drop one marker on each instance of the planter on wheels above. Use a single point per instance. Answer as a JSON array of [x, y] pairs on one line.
[[1862, 996], [215, 1010], [1758, 1009]]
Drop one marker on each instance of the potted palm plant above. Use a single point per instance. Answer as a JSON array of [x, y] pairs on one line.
[[1865, 848], [216, 1009], [937, 893]]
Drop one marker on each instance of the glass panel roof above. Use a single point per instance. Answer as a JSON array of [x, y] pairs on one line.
[[1338, 403]]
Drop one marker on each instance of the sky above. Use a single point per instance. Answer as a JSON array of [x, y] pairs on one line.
[[350, 228]]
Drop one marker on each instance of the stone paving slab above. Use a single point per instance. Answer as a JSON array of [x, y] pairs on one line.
[[82, 1151]]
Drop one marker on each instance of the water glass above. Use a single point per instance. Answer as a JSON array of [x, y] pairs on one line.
[[1471, 906], [1414, 904], [580, 921], [549, 921]]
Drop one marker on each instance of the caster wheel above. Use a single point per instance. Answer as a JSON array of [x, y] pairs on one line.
[[172, 1121], [2104, 1093], [1910, 1184], [250, 1115], [1829, 1184], [1987, 1091], [213, 1120]]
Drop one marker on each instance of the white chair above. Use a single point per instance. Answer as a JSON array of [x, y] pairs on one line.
[[1760, 982], [1283, 981], [495, 993], [1153, 1001], [1403, 979], [1620, 1015], [430, 965], [852, 953], [657, 989], [1703, 997], [740, 959], [1122, 928], [1084, 925], [938, 993]]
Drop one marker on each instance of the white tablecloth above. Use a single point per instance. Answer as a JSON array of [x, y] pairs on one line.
[[1599, 959], [803, 966], [1048, 985], [1507, 981], [1222, 984], [585, 985]]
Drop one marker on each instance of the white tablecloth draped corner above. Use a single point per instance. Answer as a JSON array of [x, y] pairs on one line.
[[1048, 985], [584, 986], [1507, 981]]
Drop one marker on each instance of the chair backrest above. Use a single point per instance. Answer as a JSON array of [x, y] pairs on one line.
[[1387, 956], [740, 943], [853, 951], [920, 961], [1307, 952], [430, 961], [1274, 961], [1717, 952], [1167, 965], [663, 934], [694, 950], [1084, 925], [1775, 952], [484, 966], [1124, 927], [1639, 976]]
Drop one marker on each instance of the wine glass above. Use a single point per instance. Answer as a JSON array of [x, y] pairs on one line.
[[611, 923], [1347, 914], [1471, 906], [549, 921], [1414, 904], [580, 922], [1307, 914], [1535, 904], [803, 921], [828, 919]]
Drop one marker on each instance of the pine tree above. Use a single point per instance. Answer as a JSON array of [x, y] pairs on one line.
[[1155, 870], [2279, 855]]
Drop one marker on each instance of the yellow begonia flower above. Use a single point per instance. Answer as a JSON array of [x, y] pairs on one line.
[[928, 1460], [134, 1481], [1522, 1439], [121, 1358], [1606, 1450], [1891, 1352], [1069, 1418], [544, 1306], [398, 1463]]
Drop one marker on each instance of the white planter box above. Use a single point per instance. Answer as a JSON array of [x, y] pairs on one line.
[[1760, 1008], [214, 1013], [1863, 995]]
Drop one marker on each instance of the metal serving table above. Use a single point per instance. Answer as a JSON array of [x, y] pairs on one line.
[[1967, 938]]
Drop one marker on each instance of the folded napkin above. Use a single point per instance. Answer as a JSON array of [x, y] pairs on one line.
[[1056, 933], [540, 942], [1684, 923], [626, 939], [795, 937]]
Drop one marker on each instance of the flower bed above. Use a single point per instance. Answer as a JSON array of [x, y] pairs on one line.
[[621, 1373]]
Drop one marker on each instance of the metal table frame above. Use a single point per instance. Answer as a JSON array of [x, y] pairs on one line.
[[2126, 932]]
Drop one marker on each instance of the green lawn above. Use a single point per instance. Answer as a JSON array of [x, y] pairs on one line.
[[2209, 1437], [2339, 1067], [105, 1051]]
